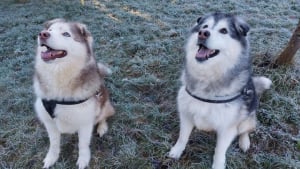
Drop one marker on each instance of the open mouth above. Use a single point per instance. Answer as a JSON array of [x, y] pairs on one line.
[[204, 53], [51, 54]]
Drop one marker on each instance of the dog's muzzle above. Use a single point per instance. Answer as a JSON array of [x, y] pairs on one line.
[[50, 53], [204, 53]]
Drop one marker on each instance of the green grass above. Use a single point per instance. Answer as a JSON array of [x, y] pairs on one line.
[[143, 41]]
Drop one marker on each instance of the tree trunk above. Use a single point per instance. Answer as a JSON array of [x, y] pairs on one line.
[[286, 56]]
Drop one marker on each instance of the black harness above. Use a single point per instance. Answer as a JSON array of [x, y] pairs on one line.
[[50, 105], [247, 94]]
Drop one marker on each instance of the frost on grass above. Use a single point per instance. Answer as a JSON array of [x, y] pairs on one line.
[[142, 42]]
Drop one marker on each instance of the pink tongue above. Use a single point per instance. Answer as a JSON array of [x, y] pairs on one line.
[[202, 53], [53, 54], [47, 56]]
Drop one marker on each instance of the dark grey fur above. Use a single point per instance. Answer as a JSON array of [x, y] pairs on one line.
[[238, 29]]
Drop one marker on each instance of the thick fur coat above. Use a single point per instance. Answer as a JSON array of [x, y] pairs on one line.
[[218, 92], [69, 86]]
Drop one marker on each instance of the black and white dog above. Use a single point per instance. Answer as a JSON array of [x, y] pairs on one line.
[[218, 92]]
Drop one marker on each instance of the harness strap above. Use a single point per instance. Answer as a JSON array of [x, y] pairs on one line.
[[50, 105]]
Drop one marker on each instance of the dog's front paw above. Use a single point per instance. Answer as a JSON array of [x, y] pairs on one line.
[[219, 160], [82, 162], [218, 166], [175, 153], [84, 158], [50, 159]]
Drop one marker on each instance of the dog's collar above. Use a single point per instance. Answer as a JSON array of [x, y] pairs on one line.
[[225, 99], [50, 105], [247, 91]]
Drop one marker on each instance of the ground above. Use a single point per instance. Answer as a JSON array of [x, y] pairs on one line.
[[142, 42]]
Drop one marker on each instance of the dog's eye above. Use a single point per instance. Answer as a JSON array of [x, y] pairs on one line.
[[66, 34], [224, 31], [205, 26]]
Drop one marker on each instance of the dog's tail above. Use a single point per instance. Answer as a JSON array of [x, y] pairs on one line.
[[261, 84], [104, 70]]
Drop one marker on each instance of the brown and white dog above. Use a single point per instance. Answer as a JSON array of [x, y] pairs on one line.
[[69, 86]]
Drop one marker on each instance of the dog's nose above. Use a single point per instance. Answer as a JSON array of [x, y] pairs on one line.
[[44, 35], [203, 34]]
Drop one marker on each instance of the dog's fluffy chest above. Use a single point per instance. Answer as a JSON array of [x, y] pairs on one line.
[[209, 116], [70, 118]]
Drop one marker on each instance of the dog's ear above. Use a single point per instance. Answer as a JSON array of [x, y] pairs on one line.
[[241, 26], [51, 22], [199, 19], [83, 31], [81, 34]]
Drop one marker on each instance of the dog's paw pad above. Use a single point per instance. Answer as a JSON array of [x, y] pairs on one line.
[[102, 129]]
